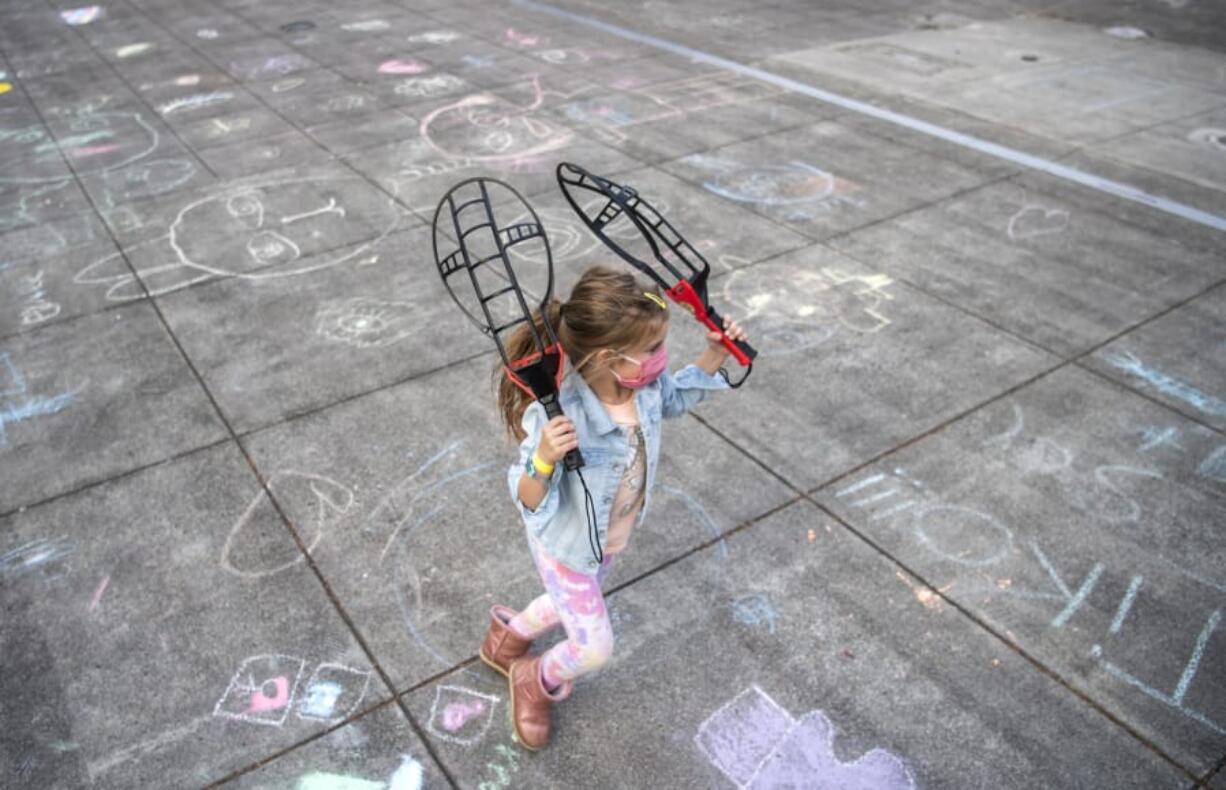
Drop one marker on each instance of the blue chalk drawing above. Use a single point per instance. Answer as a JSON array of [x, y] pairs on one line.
[[755, 609], [1157, 438], [11, 380], [1168, 385], [32, 556], [320, 700], [35, 407], [1214, 465]]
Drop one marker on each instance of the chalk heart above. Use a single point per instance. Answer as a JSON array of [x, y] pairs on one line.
[[396, 66], [1033, 221]]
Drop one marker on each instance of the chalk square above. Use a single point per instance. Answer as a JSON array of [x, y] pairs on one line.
[[262, 690], [461, 715], [742, 734]]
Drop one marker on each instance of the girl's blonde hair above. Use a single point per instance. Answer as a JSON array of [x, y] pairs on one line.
[[608, 308]]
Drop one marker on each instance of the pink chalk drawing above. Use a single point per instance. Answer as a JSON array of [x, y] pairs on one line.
[[757, 744], [524, 40], [397, 66], [461, 715], [262, 690], [457, 714], [261, 701]]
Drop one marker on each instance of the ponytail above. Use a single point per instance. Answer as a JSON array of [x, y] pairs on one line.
[[513, 401]]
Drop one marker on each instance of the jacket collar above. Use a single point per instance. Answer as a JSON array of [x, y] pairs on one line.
[[575, 387]]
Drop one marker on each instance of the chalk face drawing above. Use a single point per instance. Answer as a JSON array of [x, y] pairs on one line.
[[757, 744], [795, 190], [798, 309], [333, 693], [460, 715], [1032, 221], [258, 231], [262, 690], [257, 545], [364, 323], [483, 128]]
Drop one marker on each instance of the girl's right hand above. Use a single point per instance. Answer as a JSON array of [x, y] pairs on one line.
[[557, 439]]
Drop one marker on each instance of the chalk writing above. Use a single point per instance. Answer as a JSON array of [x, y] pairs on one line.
[[36, 307], [757, 744], [460, 715], [1167, 385]]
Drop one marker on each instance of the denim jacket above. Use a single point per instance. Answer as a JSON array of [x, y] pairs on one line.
[[559, 522]]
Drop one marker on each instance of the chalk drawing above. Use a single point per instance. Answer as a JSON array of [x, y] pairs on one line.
[[271, 66], [755, 609], [962, 535], [897, 492], [37, 555], [1121, 612], [96, 768], [400, 66], [36, 307], [31, 154], [1124, 508], [464, 728], [1155, 438], [298, 26], [1213, 139], [366, 26], [195, 102], [1214, 465], [252, 232], [1032, 220], [502, 769], [333, 693], [434, 37], [486, 129], [132, 50], [523, 40], [37, 406], [81, 16], [1073, 601], [757, 744], [1167, 385], [801, 309], [262, 690], [409, 775], [293, 491], [207, 33], [1126, 32], [97, 599], [365, 323], [1175, 698], [797, 190], [478, 61], [433, 85]]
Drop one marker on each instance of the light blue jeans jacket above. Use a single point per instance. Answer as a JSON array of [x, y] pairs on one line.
[[559, 522]]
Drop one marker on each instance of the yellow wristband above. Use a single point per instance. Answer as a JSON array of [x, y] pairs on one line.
[[541, 467]]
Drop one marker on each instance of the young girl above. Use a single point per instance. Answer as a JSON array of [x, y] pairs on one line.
[[613, 331]]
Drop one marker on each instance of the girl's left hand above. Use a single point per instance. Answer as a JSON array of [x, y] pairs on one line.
[[732, 329]]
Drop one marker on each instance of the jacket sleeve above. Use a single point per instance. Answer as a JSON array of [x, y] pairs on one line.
[[533, 423], [685, 390]]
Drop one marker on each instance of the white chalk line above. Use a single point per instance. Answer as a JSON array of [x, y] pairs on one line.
[[1106, 185]]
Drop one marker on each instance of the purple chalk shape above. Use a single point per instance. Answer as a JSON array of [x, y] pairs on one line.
[[805, 758], [743, 733]]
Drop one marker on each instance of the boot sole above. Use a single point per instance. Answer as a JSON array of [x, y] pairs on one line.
[[506, 673]]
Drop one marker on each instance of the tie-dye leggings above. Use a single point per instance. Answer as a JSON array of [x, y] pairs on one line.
[[575, 600]]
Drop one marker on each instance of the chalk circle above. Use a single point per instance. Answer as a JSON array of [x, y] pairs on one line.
[[962, 535], [1209, 138], [298, 493], [774, 185]]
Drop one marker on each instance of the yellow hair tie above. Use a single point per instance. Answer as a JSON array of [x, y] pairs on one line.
[[656, 299]]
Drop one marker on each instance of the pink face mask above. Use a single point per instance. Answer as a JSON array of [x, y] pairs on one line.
[[650, 369]]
